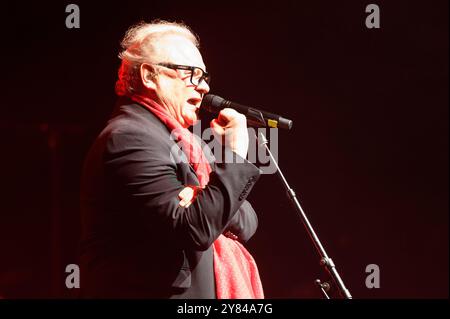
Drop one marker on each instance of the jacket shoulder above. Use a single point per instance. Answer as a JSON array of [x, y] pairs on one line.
[[132, 124]]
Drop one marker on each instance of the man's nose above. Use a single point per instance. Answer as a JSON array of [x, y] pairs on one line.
[[202, 87]]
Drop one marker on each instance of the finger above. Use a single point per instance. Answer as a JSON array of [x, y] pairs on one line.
[[217, 128], [223, 119], [186, 196], [227, 114], [182, 194], [183, 200], [185, 203], [195, 191], [187, 192]]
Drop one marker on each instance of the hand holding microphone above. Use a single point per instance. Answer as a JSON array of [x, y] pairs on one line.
[[233, 118], [230, 127]]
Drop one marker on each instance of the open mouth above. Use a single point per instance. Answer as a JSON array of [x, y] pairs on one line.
[[194, 101]]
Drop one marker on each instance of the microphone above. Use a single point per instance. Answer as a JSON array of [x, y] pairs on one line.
[[255, 117]]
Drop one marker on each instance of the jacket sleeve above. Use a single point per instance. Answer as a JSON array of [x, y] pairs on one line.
[[244, 223], [141, 168]]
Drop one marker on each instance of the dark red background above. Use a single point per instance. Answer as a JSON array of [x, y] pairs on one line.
[[367, 156]]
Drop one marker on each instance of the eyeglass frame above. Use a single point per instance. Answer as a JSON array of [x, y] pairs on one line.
[[205, 75]]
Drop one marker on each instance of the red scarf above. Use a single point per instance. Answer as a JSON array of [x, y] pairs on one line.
[[235, 271]]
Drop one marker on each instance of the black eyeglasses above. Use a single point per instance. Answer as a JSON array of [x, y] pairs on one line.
[[197, 74]]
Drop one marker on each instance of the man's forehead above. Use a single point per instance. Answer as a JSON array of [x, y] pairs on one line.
[[180, 50]]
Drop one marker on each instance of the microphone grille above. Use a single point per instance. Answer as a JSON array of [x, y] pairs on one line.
[[212, 103]]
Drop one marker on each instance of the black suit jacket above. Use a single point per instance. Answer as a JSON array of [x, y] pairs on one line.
[[136, 240]]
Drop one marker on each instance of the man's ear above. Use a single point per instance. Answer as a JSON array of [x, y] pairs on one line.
[[147, 72]]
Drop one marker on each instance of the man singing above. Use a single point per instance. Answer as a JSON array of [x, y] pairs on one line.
[[160, 220]]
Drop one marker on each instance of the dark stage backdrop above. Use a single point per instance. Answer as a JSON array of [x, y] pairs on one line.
[[367, 156]]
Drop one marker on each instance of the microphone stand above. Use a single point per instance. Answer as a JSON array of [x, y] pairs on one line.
[[325, 261]]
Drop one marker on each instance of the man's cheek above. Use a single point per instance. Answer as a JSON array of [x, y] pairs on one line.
[[191, 117]]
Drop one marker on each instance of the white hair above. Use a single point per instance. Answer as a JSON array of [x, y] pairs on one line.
[[140, 45]]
